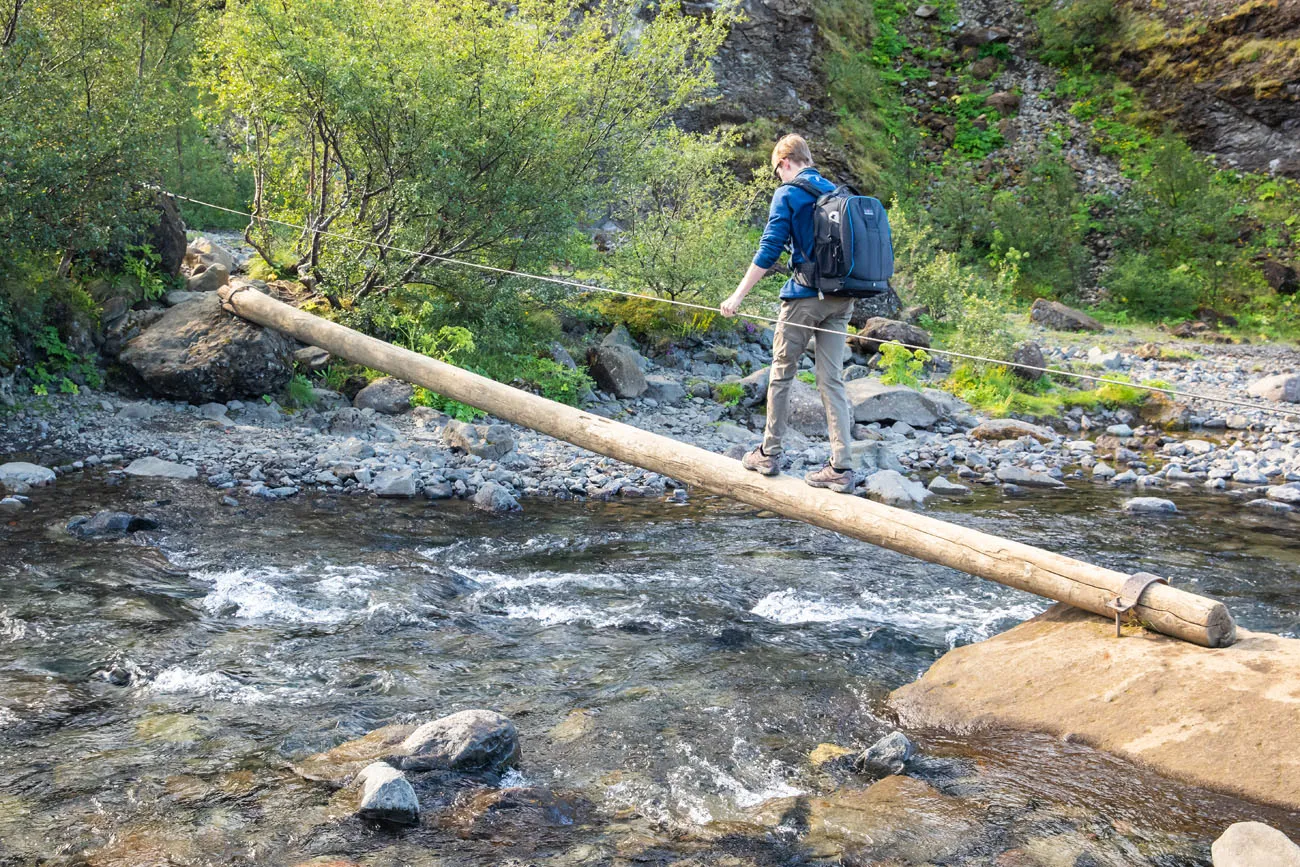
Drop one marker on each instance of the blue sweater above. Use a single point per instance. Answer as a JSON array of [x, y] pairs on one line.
[[790, 227]]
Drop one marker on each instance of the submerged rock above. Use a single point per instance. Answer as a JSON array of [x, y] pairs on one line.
[[494, 498], [109, 523], [386, 795], [19, 476], [472, 740], [1150, 506]]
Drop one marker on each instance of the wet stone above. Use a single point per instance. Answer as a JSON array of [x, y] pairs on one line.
[[386, 795]]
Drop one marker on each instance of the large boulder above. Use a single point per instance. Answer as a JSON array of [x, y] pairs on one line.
[[1281, 278], [203, 253], [487, 441], [396, 483], [495, 499], [886, 305], [168, 236], [874, 401], [386, 395], [893, 489], [617, 370], [1058, 317], [1254, 844], [1029, 362], [472, 740], [996, 429], [807, 413], [199, 353], [664, 389], [878, 330], [1284, 388]]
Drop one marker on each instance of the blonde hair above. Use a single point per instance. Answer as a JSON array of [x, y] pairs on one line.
[[794, 148]]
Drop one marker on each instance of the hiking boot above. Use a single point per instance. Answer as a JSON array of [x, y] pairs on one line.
[[759, 462], [840, 481]]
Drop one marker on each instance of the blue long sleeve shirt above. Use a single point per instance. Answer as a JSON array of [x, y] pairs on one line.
[[790, 227]]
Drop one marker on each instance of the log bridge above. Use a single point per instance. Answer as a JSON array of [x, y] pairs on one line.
[[1162, 608]]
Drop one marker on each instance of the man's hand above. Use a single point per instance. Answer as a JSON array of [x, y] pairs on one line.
[[731, 306]]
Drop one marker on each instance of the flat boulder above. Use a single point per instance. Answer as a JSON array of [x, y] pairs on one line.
[[396, 483], [1014, 475], [157, 468], [998, 429], [19, 476], [664, 389], [874, 401], [1223, 718], [894, 489], [878, 330], [1150, 506], [1254, 844], [1058, 317], [197, 352], [1284, 388], [385, 395]]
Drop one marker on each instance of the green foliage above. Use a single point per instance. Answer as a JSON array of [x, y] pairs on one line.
[[57, 364], [807, 376], [994, 389], [299, 392], [1073, 32], [463, 128], [976, 126], [453, 408], [1045, 219], [728, 393], [141, 263], [1150, 289], [555, 381], [901, 365], [983, 327], [686, 220]]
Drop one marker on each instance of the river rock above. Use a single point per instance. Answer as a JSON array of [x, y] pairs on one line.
[[665, 389], [1288, 493], [1163, 412], [11, 506], [157, 468], [943, 486], [998, 429], [109, 523], [1029, 478], [386, 395], [204, 253], [893, 489], [1150, 506], [311, 358], [19, 476], [807, 413], [620, 336], [617, 370], [874, 401], [1058, 317], [495, 499], [886, 756], [396, 483], [1112, 360], [210, 279], [1029, 362], [878, 330], [1254, 844], [472, 740], [492, 442], [1284, 387], [198, 353], [386, 795]]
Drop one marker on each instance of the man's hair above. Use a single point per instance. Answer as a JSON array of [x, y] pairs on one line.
[[794, 148]]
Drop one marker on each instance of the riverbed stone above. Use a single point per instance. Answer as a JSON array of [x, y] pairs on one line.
[[20, 476], [894, 489], [943, 486], [1150, 506], [204, 253], [886, 756], [1288, 493], [1028, 478], [109, 523], [872, 400], [210, 279], [396, 483], [386, 795], [999, 429], [495, 499], [198, 352], [1254, 844], [1058, 317], [11, 506], [665, 389], [1283, 387], [492, 442], [157, 468], [386, 395], [878, 330], [471, 740]]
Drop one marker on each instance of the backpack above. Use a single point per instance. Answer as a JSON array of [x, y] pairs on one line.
[[853, 251]]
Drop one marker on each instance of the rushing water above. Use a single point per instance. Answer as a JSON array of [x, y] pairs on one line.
[[670, 667]]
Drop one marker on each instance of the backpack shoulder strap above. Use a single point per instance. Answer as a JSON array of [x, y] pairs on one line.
[[805, 185]]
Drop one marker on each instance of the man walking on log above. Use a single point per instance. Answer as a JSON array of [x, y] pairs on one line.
[[790, 225]]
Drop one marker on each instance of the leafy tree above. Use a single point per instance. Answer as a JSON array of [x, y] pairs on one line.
[[453, 128], [1045, 219]]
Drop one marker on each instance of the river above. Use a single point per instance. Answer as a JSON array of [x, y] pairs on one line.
[[670, 668]]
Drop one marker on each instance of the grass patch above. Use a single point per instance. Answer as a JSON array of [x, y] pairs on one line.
[[999, 392]]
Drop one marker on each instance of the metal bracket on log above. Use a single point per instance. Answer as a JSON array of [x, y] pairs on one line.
[[1131, 593]]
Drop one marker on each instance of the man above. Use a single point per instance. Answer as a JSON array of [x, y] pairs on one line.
[[790, 224]]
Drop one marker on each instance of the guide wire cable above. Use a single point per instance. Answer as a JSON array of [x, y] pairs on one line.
[[590, 287]]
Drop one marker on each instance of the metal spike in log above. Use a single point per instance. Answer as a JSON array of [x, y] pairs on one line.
[[1161, 608]]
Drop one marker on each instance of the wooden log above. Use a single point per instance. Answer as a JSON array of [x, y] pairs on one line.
[[1164, 609]]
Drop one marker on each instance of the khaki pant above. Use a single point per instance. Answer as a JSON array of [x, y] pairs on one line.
[[787, 347]]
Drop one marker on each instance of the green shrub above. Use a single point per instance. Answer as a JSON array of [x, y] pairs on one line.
[[1044, 219], [554, 381], [1072, 31], [141, 264], [1144, 285], [902, 365], [728, 393], [299, 392]]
